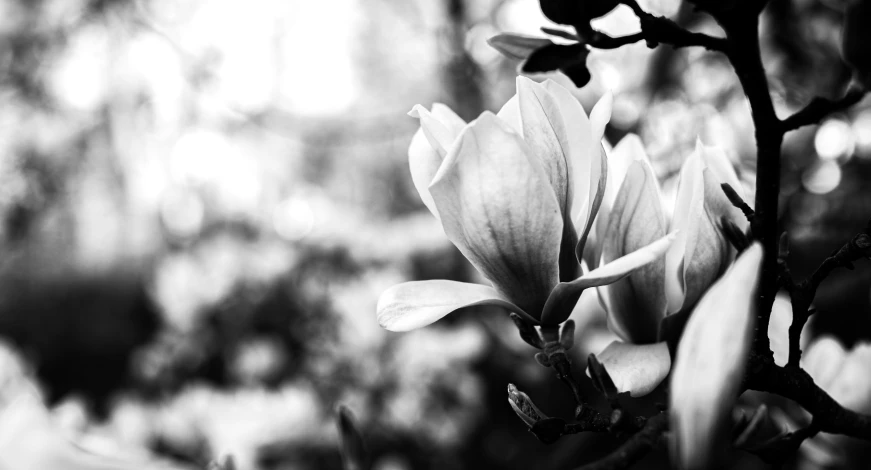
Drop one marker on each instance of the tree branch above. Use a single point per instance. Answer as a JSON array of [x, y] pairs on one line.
[[635, 447], [743, 35], [797, 385], [657, 30], [802, 293], [819, 108]]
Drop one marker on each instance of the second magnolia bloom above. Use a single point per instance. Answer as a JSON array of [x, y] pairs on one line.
[[517, 193]]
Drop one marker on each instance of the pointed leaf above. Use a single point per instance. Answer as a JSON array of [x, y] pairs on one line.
[[636, 369], [415, 304], [517, 46], [555, 57], [710, 361]]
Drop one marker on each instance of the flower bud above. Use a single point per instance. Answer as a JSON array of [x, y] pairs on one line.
[[524, 407]]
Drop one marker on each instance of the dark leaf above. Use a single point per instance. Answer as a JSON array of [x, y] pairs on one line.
[[555, 57]]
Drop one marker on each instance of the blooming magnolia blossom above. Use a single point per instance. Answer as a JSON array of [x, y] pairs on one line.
[[517, 193], [633, 216], [710, 364]]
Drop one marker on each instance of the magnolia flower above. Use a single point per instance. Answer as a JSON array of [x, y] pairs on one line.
[[710, 363], [517, 193], [633, 216]]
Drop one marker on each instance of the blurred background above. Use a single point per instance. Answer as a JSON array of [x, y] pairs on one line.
[[201, 201]]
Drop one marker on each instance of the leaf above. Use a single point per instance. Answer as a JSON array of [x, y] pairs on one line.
[[517, 46], [556, 57]]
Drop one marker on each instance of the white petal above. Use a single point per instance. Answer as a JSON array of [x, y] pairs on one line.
[[439, 135], [637, 303], [584, 154], [637, 369], [544, 130], [628, 150], [415, 304], [499, 209], [601, 115], [565, 294], [424, 162], [510, 113], [441, 126], [710, 361], [688, 216], [719, 170]]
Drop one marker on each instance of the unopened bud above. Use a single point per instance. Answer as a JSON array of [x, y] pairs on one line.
[[524, 407], [527, 331]]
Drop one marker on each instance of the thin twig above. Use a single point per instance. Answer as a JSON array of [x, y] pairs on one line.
[[819, 108], [797, 385], [657, 30]]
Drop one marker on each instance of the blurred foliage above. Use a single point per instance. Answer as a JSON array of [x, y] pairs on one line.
[[201, 202]]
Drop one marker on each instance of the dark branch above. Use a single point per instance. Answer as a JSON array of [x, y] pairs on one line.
[[635, 447], [819, 108], [802, 293], [795, 384], [657, 30]]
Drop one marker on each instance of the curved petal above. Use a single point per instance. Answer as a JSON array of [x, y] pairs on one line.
[[424, 157], [544, 131], [637, 369], [510, 113], [424, 162], [707, 252], [601, 115], [636, 303], [565, 294], [628, 150], [688, 218], [498, 208], [415, 304], [437, 133], [719, 170], [710, 361]]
